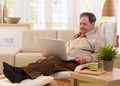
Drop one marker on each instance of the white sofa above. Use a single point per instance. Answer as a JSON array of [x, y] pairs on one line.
[[30, 44], [7, 54], [30, 51], [39, 81]]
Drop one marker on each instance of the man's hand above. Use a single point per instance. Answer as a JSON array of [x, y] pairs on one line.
[[80, 60]]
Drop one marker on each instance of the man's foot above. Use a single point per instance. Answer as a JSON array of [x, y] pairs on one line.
[[15, 69], [9, 76], [12, 76]]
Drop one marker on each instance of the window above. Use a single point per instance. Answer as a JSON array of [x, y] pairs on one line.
[[54, 14], [48, 14], [87, 7], [59, 14], [10, 6], [37, 13]]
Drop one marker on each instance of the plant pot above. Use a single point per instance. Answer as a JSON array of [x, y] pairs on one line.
[[108, 65]]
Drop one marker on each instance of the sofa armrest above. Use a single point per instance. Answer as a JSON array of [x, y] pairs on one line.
[[7, 54], [9, 50], [80, 67]]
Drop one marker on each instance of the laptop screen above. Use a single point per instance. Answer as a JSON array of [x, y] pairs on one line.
[[50, 46]]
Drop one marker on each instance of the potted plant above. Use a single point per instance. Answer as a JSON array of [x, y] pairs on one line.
[[107, 54]]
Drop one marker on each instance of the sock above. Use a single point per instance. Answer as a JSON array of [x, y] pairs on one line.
[[12, 76], [15, 69], [7, 75]]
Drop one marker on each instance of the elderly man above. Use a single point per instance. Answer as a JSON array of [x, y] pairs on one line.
[[83, 47]]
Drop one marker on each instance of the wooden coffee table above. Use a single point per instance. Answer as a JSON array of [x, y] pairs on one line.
[[106, 79]]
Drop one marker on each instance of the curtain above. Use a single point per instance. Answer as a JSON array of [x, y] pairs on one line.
[[22, 9], [75, 7]]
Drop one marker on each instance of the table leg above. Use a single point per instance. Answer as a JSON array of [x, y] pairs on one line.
[[74, 82], [109, 84]]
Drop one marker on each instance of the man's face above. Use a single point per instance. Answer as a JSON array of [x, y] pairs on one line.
[[85, 25]]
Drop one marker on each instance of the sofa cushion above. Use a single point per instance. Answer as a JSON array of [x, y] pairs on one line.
[[39, 81], [9, 50], [110, 32], [107, 30], [65, 35], [7, 54], [101, 29], [30, 39], [5, 82], [22, 59]]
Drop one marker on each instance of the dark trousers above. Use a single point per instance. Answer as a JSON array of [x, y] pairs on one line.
[[50, 65]]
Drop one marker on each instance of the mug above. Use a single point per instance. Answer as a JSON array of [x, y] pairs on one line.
[[93, 66]]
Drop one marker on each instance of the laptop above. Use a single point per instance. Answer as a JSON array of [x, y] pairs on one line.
[[49, 46]]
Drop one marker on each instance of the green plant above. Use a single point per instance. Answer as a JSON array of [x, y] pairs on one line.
[[107, 53]]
